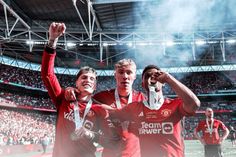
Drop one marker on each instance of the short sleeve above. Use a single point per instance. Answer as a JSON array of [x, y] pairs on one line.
[[222, 126]]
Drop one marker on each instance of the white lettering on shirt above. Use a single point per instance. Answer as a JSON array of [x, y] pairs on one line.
[[156, 128], [69, 115]]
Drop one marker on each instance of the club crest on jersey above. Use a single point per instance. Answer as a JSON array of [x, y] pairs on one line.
[[166, 112]]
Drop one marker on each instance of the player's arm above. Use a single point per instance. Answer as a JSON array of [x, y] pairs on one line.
[[123, 114], [197, 135], [47, 69], [107, 135], [225, 132], [190, 101]]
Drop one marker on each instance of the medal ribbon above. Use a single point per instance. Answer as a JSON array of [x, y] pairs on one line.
[[155, 101], [78, 120], [210, 128], [118, 104]]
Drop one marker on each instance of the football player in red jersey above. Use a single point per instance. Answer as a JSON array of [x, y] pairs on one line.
[[77, 121], [157, 120], [211, 138], [119, 97]]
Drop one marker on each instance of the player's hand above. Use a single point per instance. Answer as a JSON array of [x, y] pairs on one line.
[[202, 141], [221, 140], [56, 30], [161, 76], [125, 125], [107, 107], [82, 133], [70, 94]]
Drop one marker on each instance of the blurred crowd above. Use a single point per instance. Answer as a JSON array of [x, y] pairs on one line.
[[25, 127], [199, 83]]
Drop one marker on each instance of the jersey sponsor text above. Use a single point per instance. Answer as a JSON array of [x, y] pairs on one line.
[[156, 128]]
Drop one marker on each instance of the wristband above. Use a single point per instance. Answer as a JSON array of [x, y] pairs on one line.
[[49, 50]]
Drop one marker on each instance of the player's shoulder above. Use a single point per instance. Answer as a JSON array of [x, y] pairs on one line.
[[218, 121], [100, 96], [201, 122], [136, 105], [170, 101], [105, 92], [138, 95], [98, 108]]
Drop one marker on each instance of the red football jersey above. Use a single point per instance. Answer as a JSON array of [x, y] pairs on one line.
[[129, 146], [211, 138], [64, 146], [160, 131]]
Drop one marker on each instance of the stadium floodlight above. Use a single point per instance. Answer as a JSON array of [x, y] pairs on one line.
[[213, 42], [130, 44], [70, 44], [169, 43], [92, 44], [200, 42], [150, 43], [29, 42], [105, 44], [142, 44], [231, 41], [112, 44]]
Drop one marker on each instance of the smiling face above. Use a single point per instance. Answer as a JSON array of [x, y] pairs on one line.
[[86, 81]]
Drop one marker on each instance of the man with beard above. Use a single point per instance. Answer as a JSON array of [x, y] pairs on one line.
[[211, 138]]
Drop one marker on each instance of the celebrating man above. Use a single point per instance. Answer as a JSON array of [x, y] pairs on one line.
[[77, 121], [157, 121]]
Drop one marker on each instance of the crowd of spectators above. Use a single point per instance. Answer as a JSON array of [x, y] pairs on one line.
[[208, 82], [25, 127], [14, 99], [199, 83]]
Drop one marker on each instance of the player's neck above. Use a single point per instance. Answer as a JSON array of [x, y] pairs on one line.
[[85, 98], [124, 92], [210, 119]]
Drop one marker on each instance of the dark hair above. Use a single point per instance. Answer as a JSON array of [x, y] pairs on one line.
[[85, 69], [150, 67]]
